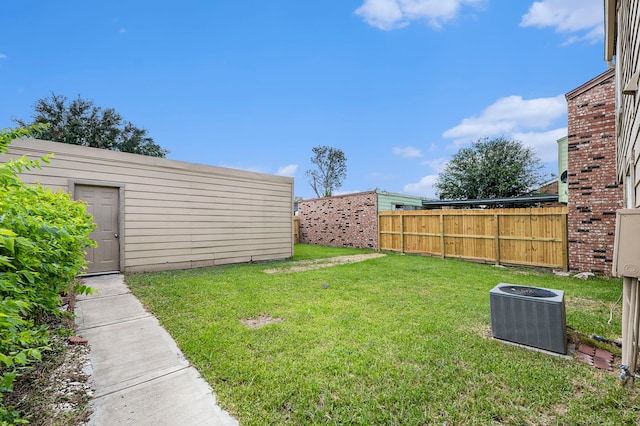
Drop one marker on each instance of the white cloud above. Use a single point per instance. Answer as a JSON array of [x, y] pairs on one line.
[[407, 152], [544, 143], [3, 56], [436, 164], [509, 115], [580, 19], [122, 31], [288, 171], [424, 188], [390, 14]]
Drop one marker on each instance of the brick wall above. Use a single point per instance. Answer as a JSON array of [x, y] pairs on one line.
[[594, 193], [349, 220], [549, 189]]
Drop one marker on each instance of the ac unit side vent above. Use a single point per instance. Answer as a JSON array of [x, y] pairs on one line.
[[529, 316]]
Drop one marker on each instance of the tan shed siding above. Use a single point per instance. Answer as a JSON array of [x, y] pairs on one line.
[[177, 214], [627, 63]]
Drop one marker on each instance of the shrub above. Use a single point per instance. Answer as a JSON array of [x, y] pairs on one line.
[[43, 235]]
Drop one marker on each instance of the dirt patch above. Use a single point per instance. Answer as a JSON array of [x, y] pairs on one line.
[[307, 265], [261, 321]]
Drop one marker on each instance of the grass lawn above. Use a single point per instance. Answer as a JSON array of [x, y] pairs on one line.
[[393, 340]]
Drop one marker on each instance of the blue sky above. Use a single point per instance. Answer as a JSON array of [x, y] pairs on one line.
[[398, 85]]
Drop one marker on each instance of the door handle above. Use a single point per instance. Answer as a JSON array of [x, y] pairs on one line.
[[115, 235]]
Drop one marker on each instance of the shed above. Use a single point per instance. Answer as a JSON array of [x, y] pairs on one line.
[[160, 214]]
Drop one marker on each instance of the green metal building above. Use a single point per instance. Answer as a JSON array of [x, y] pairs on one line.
[[392, 201], [563, 165]]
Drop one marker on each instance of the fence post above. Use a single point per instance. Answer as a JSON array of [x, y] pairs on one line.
[[564, 217], [496, 233], [402, 232], [442, 248], [379, 232]]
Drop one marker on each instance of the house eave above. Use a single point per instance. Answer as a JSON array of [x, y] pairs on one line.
[[590, 84], [609, 30]]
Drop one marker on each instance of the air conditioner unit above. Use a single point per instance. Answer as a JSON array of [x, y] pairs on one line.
[[529, 316]]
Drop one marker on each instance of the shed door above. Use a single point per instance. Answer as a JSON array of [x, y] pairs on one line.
[[103, 205]]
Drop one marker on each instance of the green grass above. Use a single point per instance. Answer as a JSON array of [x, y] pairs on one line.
[[393, 340]]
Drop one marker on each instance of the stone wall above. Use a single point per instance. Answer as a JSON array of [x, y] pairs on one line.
[[594, 193], [349, 220]]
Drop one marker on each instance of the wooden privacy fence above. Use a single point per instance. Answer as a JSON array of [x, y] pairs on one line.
[[296, 229], [530, 237]]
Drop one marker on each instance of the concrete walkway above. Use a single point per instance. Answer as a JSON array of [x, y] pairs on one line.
[[140, 375]]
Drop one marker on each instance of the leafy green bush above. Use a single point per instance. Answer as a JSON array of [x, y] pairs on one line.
[[43, 235]]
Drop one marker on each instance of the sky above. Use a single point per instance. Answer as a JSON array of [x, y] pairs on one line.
[[399, 86]]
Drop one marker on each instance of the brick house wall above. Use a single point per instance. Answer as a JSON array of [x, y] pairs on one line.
[[594, 194], [349, 220], [549, 189]]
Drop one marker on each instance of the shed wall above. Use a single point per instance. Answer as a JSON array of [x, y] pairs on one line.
[[349, 220], [177, 215]]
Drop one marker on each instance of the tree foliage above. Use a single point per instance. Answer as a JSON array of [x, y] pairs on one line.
[[490, 168], [80, 122], [43, 235], [331, 170]]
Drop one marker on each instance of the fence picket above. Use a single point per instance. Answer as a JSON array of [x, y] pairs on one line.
[[530, 237]]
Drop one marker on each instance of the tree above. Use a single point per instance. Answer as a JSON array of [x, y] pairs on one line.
[[80, 122], [331, 170], [490, 168]]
